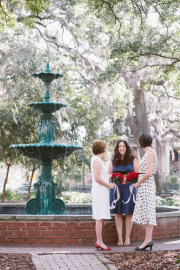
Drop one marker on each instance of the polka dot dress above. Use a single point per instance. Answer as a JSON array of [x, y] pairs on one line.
[[145, 208]]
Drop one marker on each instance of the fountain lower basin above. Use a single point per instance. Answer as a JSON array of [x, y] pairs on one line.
[[46, 151], [47, 107]]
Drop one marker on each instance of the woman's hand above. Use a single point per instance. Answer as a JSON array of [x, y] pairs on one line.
[[111, 185], [124, 180], [136, 185]]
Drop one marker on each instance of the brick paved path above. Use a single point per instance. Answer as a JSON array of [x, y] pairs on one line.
[[78, 257], [69, 262]]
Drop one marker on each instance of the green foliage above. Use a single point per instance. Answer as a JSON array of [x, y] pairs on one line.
[[12, 11], [10, 195], [174, 179], [59, 191], [32, 194], [169, 201], [7, 19], [37, 6], [76, 197], [29, 22]]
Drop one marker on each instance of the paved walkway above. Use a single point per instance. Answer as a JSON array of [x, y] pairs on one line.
[[78, 257]]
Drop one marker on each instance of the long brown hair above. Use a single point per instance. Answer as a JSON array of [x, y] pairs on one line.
[[117, 156]]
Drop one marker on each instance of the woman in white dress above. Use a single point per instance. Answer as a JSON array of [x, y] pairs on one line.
[[145, 208], [100, 190]]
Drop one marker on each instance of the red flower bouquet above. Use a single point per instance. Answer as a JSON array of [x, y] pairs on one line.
[[117, 178], [132, 177]]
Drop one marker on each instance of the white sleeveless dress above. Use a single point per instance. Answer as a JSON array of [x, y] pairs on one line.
[[145, 208], [100, 194]]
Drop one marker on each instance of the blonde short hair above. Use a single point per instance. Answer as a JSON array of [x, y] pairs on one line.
[[98, 147]]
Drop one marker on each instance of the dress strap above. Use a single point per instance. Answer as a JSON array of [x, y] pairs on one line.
[[143, 173], [150, 151], [94, 158]]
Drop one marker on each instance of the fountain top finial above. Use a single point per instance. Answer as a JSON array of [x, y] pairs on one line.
[[47, 70], [47, 106], [47, 77]]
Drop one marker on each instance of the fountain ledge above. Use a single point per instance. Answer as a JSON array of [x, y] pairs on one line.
[[77, 229], [171, 214]]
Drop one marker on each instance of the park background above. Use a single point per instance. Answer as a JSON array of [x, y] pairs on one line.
[[120, 66]]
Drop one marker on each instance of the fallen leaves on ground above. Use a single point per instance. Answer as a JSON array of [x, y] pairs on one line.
[[146, 260], [16, 261]]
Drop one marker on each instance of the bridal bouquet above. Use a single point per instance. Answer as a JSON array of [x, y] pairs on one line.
[[117, 178], [132, 177]]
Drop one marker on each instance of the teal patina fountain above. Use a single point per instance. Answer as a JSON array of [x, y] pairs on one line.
[[46, 151]]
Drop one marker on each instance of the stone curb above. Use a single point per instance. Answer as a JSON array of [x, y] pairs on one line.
[[112, 267], [36, 262], [106, 262]]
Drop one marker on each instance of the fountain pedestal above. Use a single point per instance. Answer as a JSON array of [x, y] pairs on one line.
[[45, 202], [46, 151]]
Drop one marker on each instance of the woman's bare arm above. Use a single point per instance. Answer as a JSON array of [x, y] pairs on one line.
[[136, 165], [110, 168], [97, 169], [150, 159]]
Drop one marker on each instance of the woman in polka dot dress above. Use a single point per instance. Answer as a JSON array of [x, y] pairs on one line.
[[145, 208]]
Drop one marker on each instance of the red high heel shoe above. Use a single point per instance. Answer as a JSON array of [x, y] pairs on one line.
[[98, 246]]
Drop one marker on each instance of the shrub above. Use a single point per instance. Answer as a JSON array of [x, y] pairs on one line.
[[169, 201], [174, 179], [76, 197], [32, 194], [59, 190], [10, 195]]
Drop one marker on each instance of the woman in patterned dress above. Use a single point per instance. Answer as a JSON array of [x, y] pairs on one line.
[[100, 190], [145, 208], [123, 159]]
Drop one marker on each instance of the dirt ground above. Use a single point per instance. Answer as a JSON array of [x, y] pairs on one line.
[[16, 261], [146, 260]]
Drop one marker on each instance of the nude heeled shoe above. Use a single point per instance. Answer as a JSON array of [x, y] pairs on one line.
[[120, 242], [127, 241]]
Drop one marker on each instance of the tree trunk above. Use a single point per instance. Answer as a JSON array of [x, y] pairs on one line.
[[83, 175], [138, 122], [29, 188], [5, 181]]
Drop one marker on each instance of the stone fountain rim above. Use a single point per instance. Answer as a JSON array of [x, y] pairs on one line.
[[57, 75], [85, 204], [47, 102], [46, 145]]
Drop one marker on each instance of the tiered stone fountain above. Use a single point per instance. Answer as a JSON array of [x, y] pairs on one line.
[[46, 151]]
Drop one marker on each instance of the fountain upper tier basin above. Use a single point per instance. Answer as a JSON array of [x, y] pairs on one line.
[[47, 107], [47, 76], [44, 151]]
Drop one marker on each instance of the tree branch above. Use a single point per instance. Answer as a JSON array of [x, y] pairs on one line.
[[168, 130]]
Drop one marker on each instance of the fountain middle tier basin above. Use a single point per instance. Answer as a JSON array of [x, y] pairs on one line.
[[47, 107], [44, 151]]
